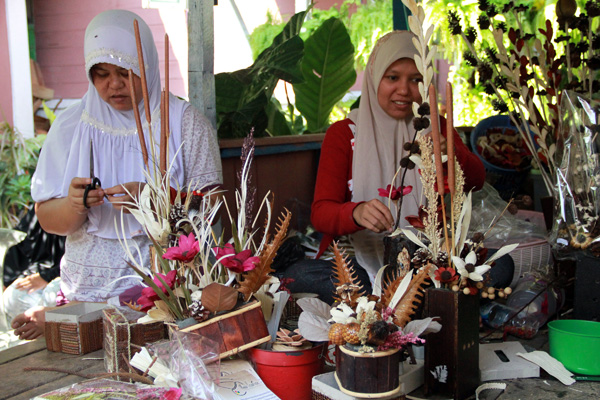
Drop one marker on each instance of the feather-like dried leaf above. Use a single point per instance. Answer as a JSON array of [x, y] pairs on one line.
[[410, 302], [344, 275], [254, 279], [217, 297], [312, 305], [313, 327]]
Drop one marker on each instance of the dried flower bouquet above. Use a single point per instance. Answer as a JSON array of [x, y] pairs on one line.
[[526, 73], [196, 273]]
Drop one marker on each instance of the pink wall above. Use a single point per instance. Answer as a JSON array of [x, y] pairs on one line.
[[59, 32], [5, 85]]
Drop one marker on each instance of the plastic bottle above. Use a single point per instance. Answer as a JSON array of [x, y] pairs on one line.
[[546, 303], [521, 324]]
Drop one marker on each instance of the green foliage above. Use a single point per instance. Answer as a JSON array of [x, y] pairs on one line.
[[328, 73], [370, 22], [262, 36], [243, 96], [18, 159], [471, 103]]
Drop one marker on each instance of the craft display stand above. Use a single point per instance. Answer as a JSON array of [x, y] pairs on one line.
[[452, 354], [74, 329], [236, 330]]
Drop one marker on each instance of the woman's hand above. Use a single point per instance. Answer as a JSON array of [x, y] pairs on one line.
[[121, 196], [31, 283], [75, 196], [373, 215], [30, 324]]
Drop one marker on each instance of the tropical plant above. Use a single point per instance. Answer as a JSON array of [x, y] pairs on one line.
[[321, 72], [18, 159], [242, 97], [328, 71]]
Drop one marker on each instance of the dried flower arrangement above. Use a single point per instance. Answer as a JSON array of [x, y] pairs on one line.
[[196, 273], [577, 218], [526, 73], [452, 260], [368, 322]]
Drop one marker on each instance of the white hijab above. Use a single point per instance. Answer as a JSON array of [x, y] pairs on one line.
[[378, 148], [109, 38]]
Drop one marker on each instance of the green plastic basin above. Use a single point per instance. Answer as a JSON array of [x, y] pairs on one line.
[[576, 344]]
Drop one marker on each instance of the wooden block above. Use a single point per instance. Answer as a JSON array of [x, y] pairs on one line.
[[452, 354]]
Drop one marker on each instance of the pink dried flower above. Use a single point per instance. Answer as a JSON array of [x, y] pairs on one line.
[[186, 250], [149, 296], [398, 340], [238, 263], [396, 193]]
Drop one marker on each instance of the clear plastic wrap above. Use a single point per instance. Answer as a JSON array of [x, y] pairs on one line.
[[109, 389], [577, 199], [487, 205], [193, 360]]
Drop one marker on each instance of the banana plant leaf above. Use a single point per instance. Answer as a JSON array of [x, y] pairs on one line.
[[242, 97], [328, 70]]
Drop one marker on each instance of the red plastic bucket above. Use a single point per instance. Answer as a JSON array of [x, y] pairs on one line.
[[289, 374]]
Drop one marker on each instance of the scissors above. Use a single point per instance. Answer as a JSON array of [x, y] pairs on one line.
[[95, 181]]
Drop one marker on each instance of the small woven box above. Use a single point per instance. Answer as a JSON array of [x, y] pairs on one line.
[[123, 336], [74, 329]]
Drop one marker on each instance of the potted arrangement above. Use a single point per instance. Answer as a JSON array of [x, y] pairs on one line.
[[199, 280], [371, 331]]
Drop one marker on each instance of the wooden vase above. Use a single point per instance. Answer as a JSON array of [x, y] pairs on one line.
[[371, 375], [452, 354], [235, 331]]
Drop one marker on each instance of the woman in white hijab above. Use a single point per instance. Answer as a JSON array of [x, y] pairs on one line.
[[94, 267], [359, 155]]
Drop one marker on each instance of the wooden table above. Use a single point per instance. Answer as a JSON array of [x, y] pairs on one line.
[[15, 383]]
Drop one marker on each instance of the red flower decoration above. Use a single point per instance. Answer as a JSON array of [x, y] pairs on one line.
[[149, 296], [186, 250], [417, 221], [396, 193], [238, 263], [445, 275]]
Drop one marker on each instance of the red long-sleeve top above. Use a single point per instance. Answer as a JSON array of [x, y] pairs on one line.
[[331, 211]]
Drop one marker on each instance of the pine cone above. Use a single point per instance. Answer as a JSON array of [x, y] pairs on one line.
[[351, 333], [336, 334], [176, 214]]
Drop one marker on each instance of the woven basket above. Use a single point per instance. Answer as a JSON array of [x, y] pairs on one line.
[[505, 181], [532, 254]]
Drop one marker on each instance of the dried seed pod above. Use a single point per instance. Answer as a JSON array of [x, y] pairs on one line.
[[350, 333], [336, 334]]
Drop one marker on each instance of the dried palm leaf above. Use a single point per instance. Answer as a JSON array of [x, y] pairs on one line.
[[410, 301], [254, 279], [390, 285], [347, 288]]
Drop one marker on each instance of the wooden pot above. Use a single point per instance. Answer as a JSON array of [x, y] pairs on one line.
[[371, 375], [235, 331]]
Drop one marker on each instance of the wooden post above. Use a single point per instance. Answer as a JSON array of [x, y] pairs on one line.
[[201, 58]]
